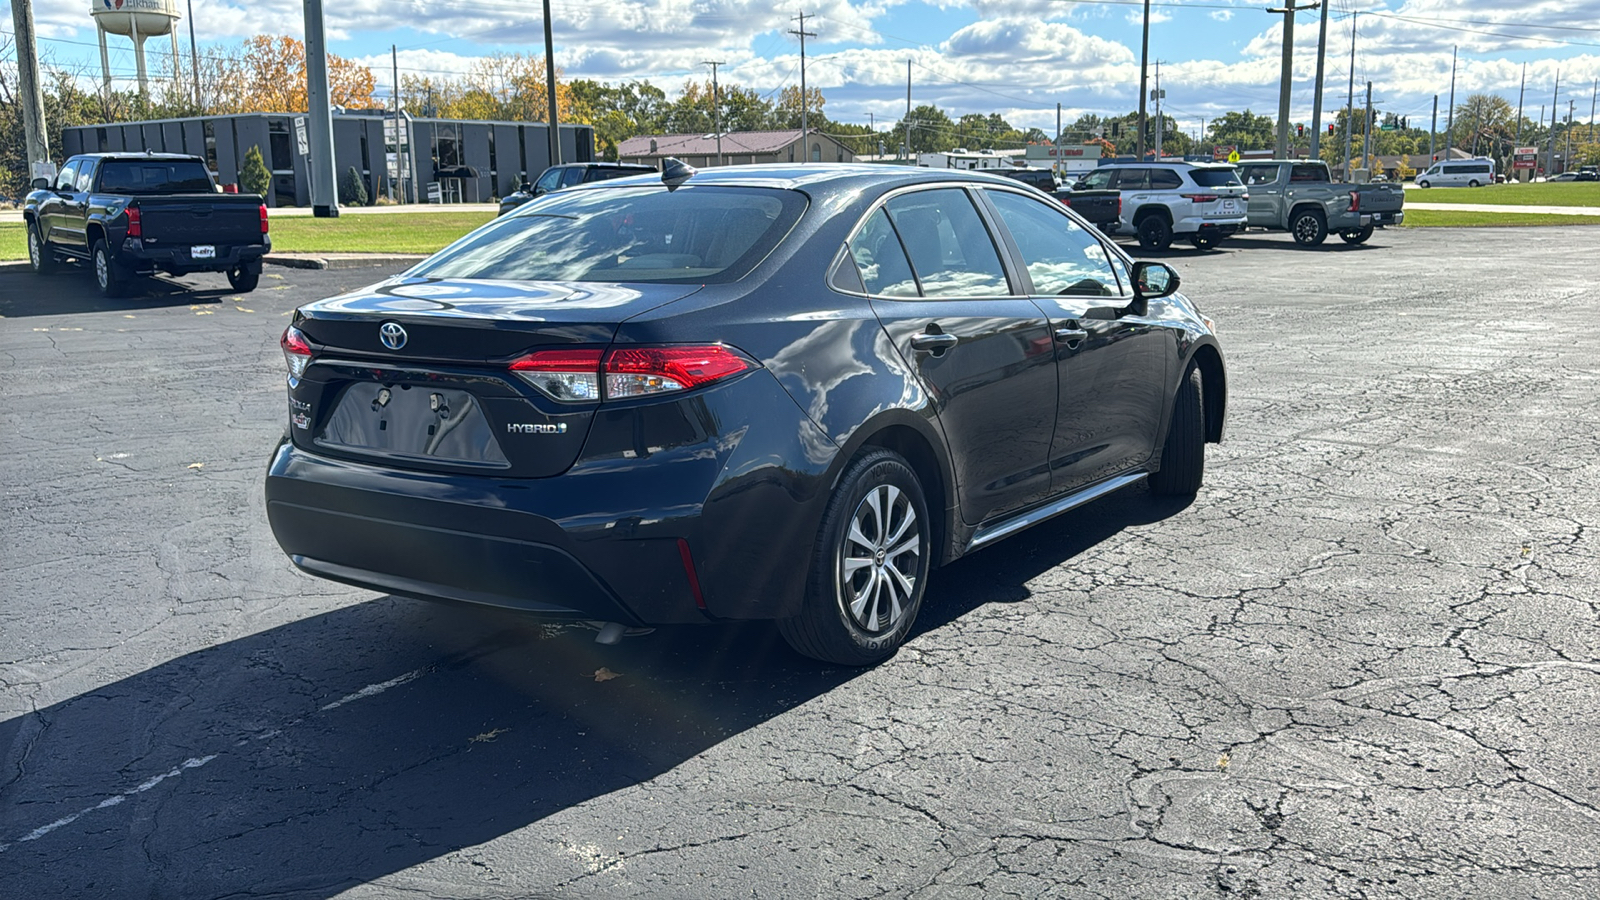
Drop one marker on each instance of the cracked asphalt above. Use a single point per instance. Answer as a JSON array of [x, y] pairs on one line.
[[1363, 663]]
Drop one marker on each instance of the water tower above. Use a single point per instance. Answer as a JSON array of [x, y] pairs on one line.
[[138, 19]]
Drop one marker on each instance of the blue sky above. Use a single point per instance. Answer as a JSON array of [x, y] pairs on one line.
[[1018, 58]]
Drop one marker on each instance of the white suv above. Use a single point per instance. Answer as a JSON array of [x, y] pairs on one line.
[[1160, 200]]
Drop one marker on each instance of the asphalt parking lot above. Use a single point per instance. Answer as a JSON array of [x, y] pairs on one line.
[[1365, 662]]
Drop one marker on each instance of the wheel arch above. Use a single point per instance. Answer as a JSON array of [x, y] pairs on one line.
[[1298, 208], [1214, 382], [97, 231], [914, 439], [1152, 209]]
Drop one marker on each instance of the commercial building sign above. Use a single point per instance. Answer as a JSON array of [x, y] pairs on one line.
[[1525, 158]]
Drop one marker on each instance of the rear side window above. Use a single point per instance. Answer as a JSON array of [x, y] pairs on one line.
[[1223, 177], [950, 247], [1131, 179], [626, 234], [1309, 174], [154, 177], [1165, 180], [881, 260]]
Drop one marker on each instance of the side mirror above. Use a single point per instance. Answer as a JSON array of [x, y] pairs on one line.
[[1151, 280], [526, 188], [540, 191], [40, 184]]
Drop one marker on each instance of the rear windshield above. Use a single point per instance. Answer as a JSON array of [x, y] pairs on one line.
[[637, 234], [1216, 177], [154, 177]]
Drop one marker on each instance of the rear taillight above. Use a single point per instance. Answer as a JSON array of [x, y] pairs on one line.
[[1355, 202], [135, 227], [263, 218], [1202, 198], [578, 376], [571, 376], [296, 351]]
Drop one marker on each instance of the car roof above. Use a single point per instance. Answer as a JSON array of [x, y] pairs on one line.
[[126, 155]]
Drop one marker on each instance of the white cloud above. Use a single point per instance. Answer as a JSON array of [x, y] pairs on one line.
[[1222, 15]]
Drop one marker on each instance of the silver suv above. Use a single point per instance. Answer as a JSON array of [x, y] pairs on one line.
[[1206, 203]]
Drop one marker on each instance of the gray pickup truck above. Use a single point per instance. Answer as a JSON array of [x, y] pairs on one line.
[[1301, 198]]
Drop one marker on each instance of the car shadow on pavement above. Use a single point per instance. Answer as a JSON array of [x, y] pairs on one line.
[[73, 291], [335, 750], [1253, 242]]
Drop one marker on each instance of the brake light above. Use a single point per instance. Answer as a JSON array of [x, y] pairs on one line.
[[572, 376], [1355, 202], [1202, 198], [135, 227], [263, 218], [296, 351], [587, 375]]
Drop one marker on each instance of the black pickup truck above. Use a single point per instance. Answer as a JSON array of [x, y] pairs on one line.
[[131, 214], [1101, 209]]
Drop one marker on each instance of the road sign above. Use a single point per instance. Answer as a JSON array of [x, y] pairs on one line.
[[301, 142], [1233, 157]]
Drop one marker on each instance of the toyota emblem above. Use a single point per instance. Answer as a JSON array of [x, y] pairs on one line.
[[392, 335]]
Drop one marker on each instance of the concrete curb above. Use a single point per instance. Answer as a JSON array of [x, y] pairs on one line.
[[342, 260]]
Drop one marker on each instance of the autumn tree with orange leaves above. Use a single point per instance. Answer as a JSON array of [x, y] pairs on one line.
[[268, 74]]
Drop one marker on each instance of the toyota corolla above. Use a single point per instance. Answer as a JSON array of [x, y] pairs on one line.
[[756, 392]]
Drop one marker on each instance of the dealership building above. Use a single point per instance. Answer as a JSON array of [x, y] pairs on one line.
[[429, 160]]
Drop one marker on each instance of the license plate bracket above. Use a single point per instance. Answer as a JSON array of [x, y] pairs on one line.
[[203, 251], [417, 421]]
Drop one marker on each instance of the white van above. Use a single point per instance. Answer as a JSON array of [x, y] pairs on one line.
[[1459, 173]]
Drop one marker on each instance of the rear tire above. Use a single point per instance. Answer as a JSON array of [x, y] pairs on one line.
[[1356, 235], [1183, 457], [109, 276], [862, 596], [1309, 228], [1473, 183], [244, 278], [1205, 241], [40, 257], [1155, 232]]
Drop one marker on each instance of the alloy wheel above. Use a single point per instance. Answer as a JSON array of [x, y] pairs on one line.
[[102, 269], [33, 247], [883, 544]]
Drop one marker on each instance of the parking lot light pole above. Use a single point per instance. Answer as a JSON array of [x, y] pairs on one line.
[[1286, 80], [324, 177], [1144, 79], [1316, 104], [550, 87]]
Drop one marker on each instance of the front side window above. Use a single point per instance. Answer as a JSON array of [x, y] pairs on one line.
[[881, 259], [950, 248], [1061, 256], [550, 180], [625, 234], [68, 175]]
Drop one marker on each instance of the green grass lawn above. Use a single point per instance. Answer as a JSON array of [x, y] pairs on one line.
[[1571, 193], [375, 233], [1439, 218]]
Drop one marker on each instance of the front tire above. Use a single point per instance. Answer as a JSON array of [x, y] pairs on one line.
[[40, 258], [869, 567], [1473, 183], [1183, 457], [1155, 232], [108, 275], [1356, 235], [244, 278], [1423, 184], [1309, 228]]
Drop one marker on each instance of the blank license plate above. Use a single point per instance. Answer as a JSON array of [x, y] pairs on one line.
[[203, 251]]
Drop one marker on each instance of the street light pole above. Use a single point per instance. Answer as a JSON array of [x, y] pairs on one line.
[[716, 108], [1286, 80], [1144, 77], [1316, 107]]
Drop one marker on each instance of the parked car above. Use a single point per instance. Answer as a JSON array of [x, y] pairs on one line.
[[1575, 176], [1160, 201], [753, 392], [1101, 209], [1300, 197], [131, 214], [1458, 173], [557, 177]]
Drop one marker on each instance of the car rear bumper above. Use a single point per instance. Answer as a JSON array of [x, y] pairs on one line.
[[137, 255], [1209, 225]]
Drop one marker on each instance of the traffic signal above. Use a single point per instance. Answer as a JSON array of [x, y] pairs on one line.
[[1300, 130], [1116, 129], [1330, 129]]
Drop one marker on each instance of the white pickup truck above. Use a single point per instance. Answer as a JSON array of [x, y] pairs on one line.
[[1300, 197]]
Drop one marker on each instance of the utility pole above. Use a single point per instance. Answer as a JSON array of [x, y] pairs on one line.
[[1058, 124], [32, 96], [716, 108], [194, 57], [1316, 104], [1160, 122], [399, 159], [550, 87], [1350, 98], [324, 177], [1592, 98], [1521, 91], [1450, 115], [1570, 106], [1144, 81], [1550, 167], [1286, 80], [805, 132], [1366, 139], [908, 111]]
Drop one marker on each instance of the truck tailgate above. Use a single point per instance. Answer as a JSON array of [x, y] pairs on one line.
[[215, 219], [1377, 198]]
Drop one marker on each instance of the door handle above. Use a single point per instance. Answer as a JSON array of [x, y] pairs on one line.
[[1071, 335], [933, 343]]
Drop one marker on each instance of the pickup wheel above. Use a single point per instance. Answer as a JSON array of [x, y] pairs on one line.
[[244, 278], [1155, 232], [1309, 228], [1356, 235], [40, 257], [109, 275]]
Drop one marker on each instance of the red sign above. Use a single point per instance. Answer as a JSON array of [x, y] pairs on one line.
[[1221, 153]]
